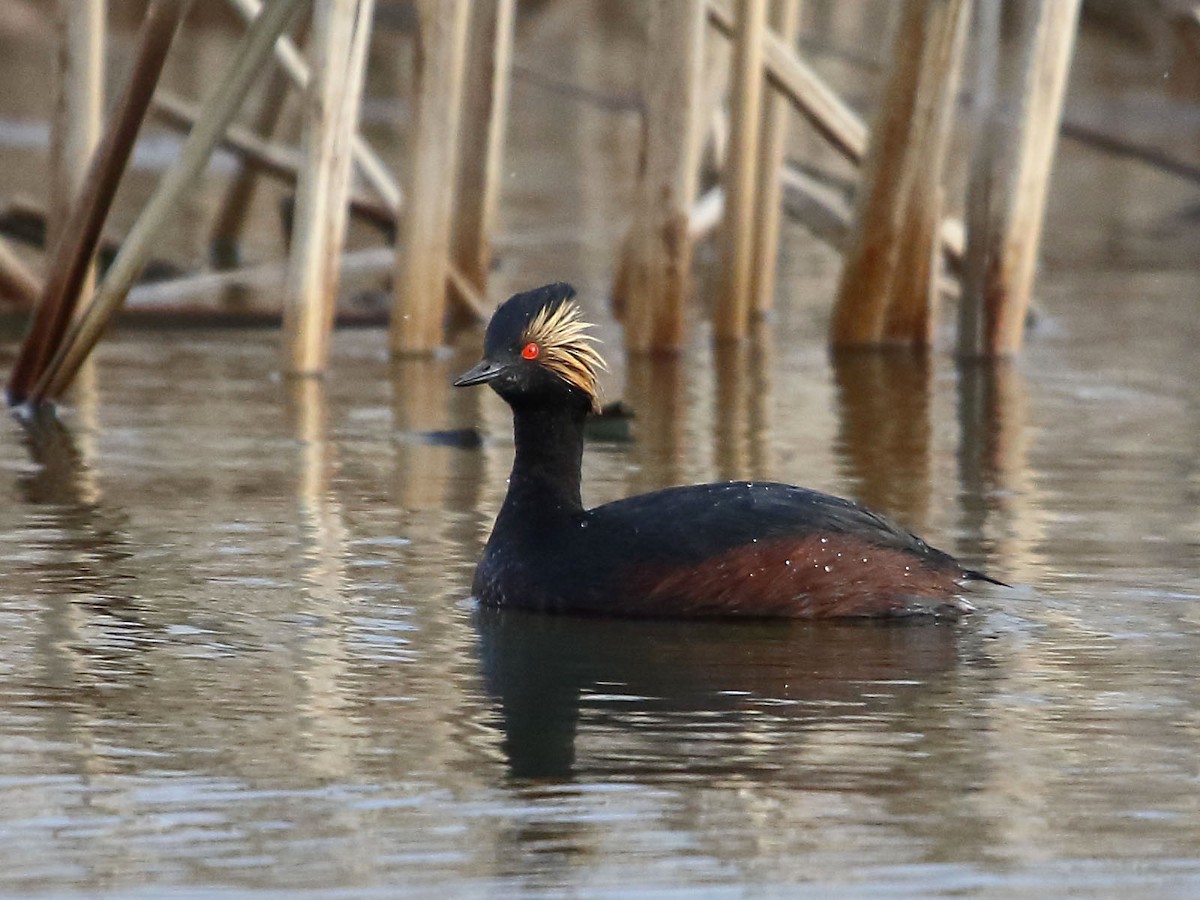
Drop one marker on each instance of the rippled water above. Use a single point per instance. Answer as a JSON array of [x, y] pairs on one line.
[[237, 650]]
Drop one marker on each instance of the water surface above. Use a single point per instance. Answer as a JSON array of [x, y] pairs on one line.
[[238, 652]]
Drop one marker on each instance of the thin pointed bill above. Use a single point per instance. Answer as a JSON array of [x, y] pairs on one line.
[[481, 373]]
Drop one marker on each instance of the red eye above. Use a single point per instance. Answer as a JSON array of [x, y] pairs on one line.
[[530, 351]]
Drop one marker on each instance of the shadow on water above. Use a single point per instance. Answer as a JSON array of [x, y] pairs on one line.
[[548, 673]]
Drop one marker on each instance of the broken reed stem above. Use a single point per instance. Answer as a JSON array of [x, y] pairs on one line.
[[341, 34], [484, 122], [423, 253], [219, 110], [1009, 185], [279, 161], [656, 265], [267, 282], [235, 205], [72, 254], [732, 314], [785, 21], [372, 168]]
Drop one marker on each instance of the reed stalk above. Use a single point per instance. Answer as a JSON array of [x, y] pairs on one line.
[[372, 168], [889, 282], [1011, 172], [76, 122], [484, 122], [271, 158], [831, 116], [423, 253], [732, 314], [194, 294], [785, 23], [341, 35], [828, 113], [657, 260], [234, 208], [72, 254], [219, 110]]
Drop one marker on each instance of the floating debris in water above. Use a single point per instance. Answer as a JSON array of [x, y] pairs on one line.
[[612, 423], [463, 438]]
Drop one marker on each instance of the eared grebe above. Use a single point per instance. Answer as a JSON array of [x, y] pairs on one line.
[[735, 549]]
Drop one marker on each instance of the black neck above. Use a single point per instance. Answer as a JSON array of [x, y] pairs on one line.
[[544, 485]]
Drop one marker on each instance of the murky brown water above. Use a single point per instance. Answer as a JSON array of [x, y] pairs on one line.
[[237, 651]]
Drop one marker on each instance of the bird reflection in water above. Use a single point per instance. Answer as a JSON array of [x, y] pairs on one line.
[[693, 697]]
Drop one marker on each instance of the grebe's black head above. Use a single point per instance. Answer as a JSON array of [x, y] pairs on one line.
[[537, 348]]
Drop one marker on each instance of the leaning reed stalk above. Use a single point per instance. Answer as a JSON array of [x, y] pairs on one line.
[[72, 254], [271, 158], [831, 116], [219, 110], [816, 101], [234, 207], [372, 168]]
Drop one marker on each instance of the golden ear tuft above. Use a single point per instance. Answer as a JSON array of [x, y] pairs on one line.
[[566, 348]]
